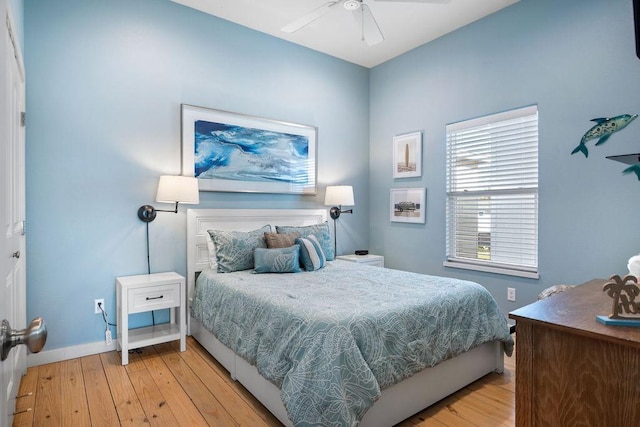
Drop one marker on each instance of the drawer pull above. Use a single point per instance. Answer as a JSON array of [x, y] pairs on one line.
[[150, 298]]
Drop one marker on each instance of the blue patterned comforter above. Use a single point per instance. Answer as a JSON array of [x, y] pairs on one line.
[[333, 338]]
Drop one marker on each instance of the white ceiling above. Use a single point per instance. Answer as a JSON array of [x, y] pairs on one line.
[[404, 25]]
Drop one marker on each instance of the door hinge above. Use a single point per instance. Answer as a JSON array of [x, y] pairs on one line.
[[23, 119]]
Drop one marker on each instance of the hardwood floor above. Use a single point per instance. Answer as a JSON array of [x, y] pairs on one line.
[[163, 387]]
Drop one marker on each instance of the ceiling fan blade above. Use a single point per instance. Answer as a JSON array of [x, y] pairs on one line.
[[370, 31], [416, 1], [307, 19]]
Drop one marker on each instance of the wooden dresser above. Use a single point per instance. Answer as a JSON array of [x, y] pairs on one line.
[[572, 370]]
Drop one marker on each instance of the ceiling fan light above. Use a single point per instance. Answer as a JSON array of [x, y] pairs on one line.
[[351, 4]]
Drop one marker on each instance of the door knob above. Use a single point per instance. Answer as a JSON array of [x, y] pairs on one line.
[[34, 337], [16, 254]]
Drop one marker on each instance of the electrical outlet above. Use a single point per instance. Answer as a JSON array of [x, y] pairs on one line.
[[511, 294], [96, 308], [107, 337]]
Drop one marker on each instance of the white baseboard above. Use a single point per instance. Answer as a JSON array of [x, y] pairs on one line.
[[66, 353]]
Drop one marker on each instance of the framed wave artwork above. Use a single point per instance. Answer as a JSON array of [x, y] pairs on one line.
[[239, 153]]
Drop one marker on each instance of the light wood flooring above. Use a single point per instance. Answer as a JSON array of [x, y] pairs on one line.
[[163, 387]]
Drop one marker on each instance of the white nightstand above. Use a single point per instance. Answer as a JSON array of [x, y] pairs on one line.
[[369, 259], [147, 292]]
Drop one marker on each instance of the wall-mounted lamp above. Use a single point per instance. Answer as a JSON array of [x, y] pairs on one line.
[[337, 196], [172, 189]]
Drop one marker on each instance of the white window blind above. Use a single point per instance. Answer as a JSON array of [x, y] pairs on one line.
[[492, 193]]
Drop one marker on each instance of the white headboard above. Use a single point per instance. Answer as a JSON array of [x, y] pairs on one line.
[[201, 220]]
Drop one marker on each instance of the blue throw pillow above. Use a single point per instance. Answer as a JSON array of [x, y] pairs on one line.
[[279, 260], [311, 255], [320, 231], [234, 249]]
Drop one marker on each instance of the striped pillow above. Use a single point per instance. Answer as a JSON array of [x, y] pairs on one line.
[[321, 231], [311, 255]]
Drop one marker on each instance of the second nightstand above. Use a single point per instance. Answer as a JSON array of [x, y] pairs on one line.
[[374, 260], [147, 292]]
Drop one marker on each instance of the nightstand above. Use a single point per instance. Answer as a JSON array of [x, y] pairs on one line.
[[369, 259], [147, 292]]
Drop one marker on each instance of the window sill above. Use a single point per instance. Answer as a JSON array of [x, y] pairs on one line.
[[496, 270]]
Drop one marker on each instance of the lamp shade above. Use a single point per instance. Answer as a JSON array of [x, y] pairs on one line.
[[183, 189], [339, 195]]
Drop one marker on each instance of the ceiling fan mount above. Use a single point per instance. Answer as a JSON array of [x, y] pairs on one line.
[[352, 4], [371, 33]]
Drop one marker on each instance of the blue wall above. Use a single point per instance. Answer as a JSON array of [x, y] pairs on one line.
[[576, 61], [105, 80]]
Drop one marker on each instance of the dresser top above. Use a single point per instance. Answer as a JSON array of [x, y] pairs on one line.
[[575, 311]]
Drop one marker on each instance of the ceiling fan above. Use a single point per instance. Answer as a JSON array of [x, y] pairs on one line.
[[371, 33]]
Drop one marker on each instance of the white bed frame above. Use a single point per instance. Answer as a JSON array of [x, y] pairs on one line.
[[396, 403]]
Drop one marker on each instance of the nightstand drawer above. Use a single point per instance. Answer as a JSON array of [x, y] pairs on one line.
[[154, 298]]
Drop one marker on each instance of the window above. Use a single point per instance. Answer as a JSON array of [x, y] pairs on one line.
[[492, 193]]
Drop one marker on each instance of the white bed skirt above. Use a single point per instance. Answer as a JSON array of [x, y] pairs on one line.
[[396, 403]]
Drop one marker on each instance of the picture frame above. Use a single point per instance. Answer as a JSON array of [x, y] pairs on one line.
[[407, 155], [408, 205], [234, 152]]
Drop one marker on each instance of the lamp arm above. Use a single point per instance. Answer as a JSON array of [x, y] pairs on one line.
[[335, 212], [167, 210], [147, 213]]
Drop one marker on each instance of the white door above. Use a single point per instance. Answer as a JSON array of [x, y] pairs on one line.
[[12, 210]]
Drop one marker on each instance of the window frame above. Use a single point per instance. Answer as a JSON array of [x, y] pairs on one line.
[[481, 187]]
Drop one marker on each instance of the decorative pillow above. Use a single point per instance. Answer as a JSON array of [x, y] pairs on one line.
[[234, 249], [282, 240], [311, 255], [278, 260], [321, 231], [211, 247]]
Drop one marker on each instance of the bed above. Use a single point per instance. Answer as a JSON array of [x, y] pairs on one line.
[[366, 394]]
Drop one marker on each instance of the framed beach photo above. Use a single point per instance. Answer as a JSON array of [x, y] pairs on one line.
[[407, 155], [239, 153], [408, 205]]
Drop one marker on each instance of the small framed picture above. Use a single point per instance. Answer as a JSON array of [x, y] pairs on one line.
[[408, 205], [407, 155]]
